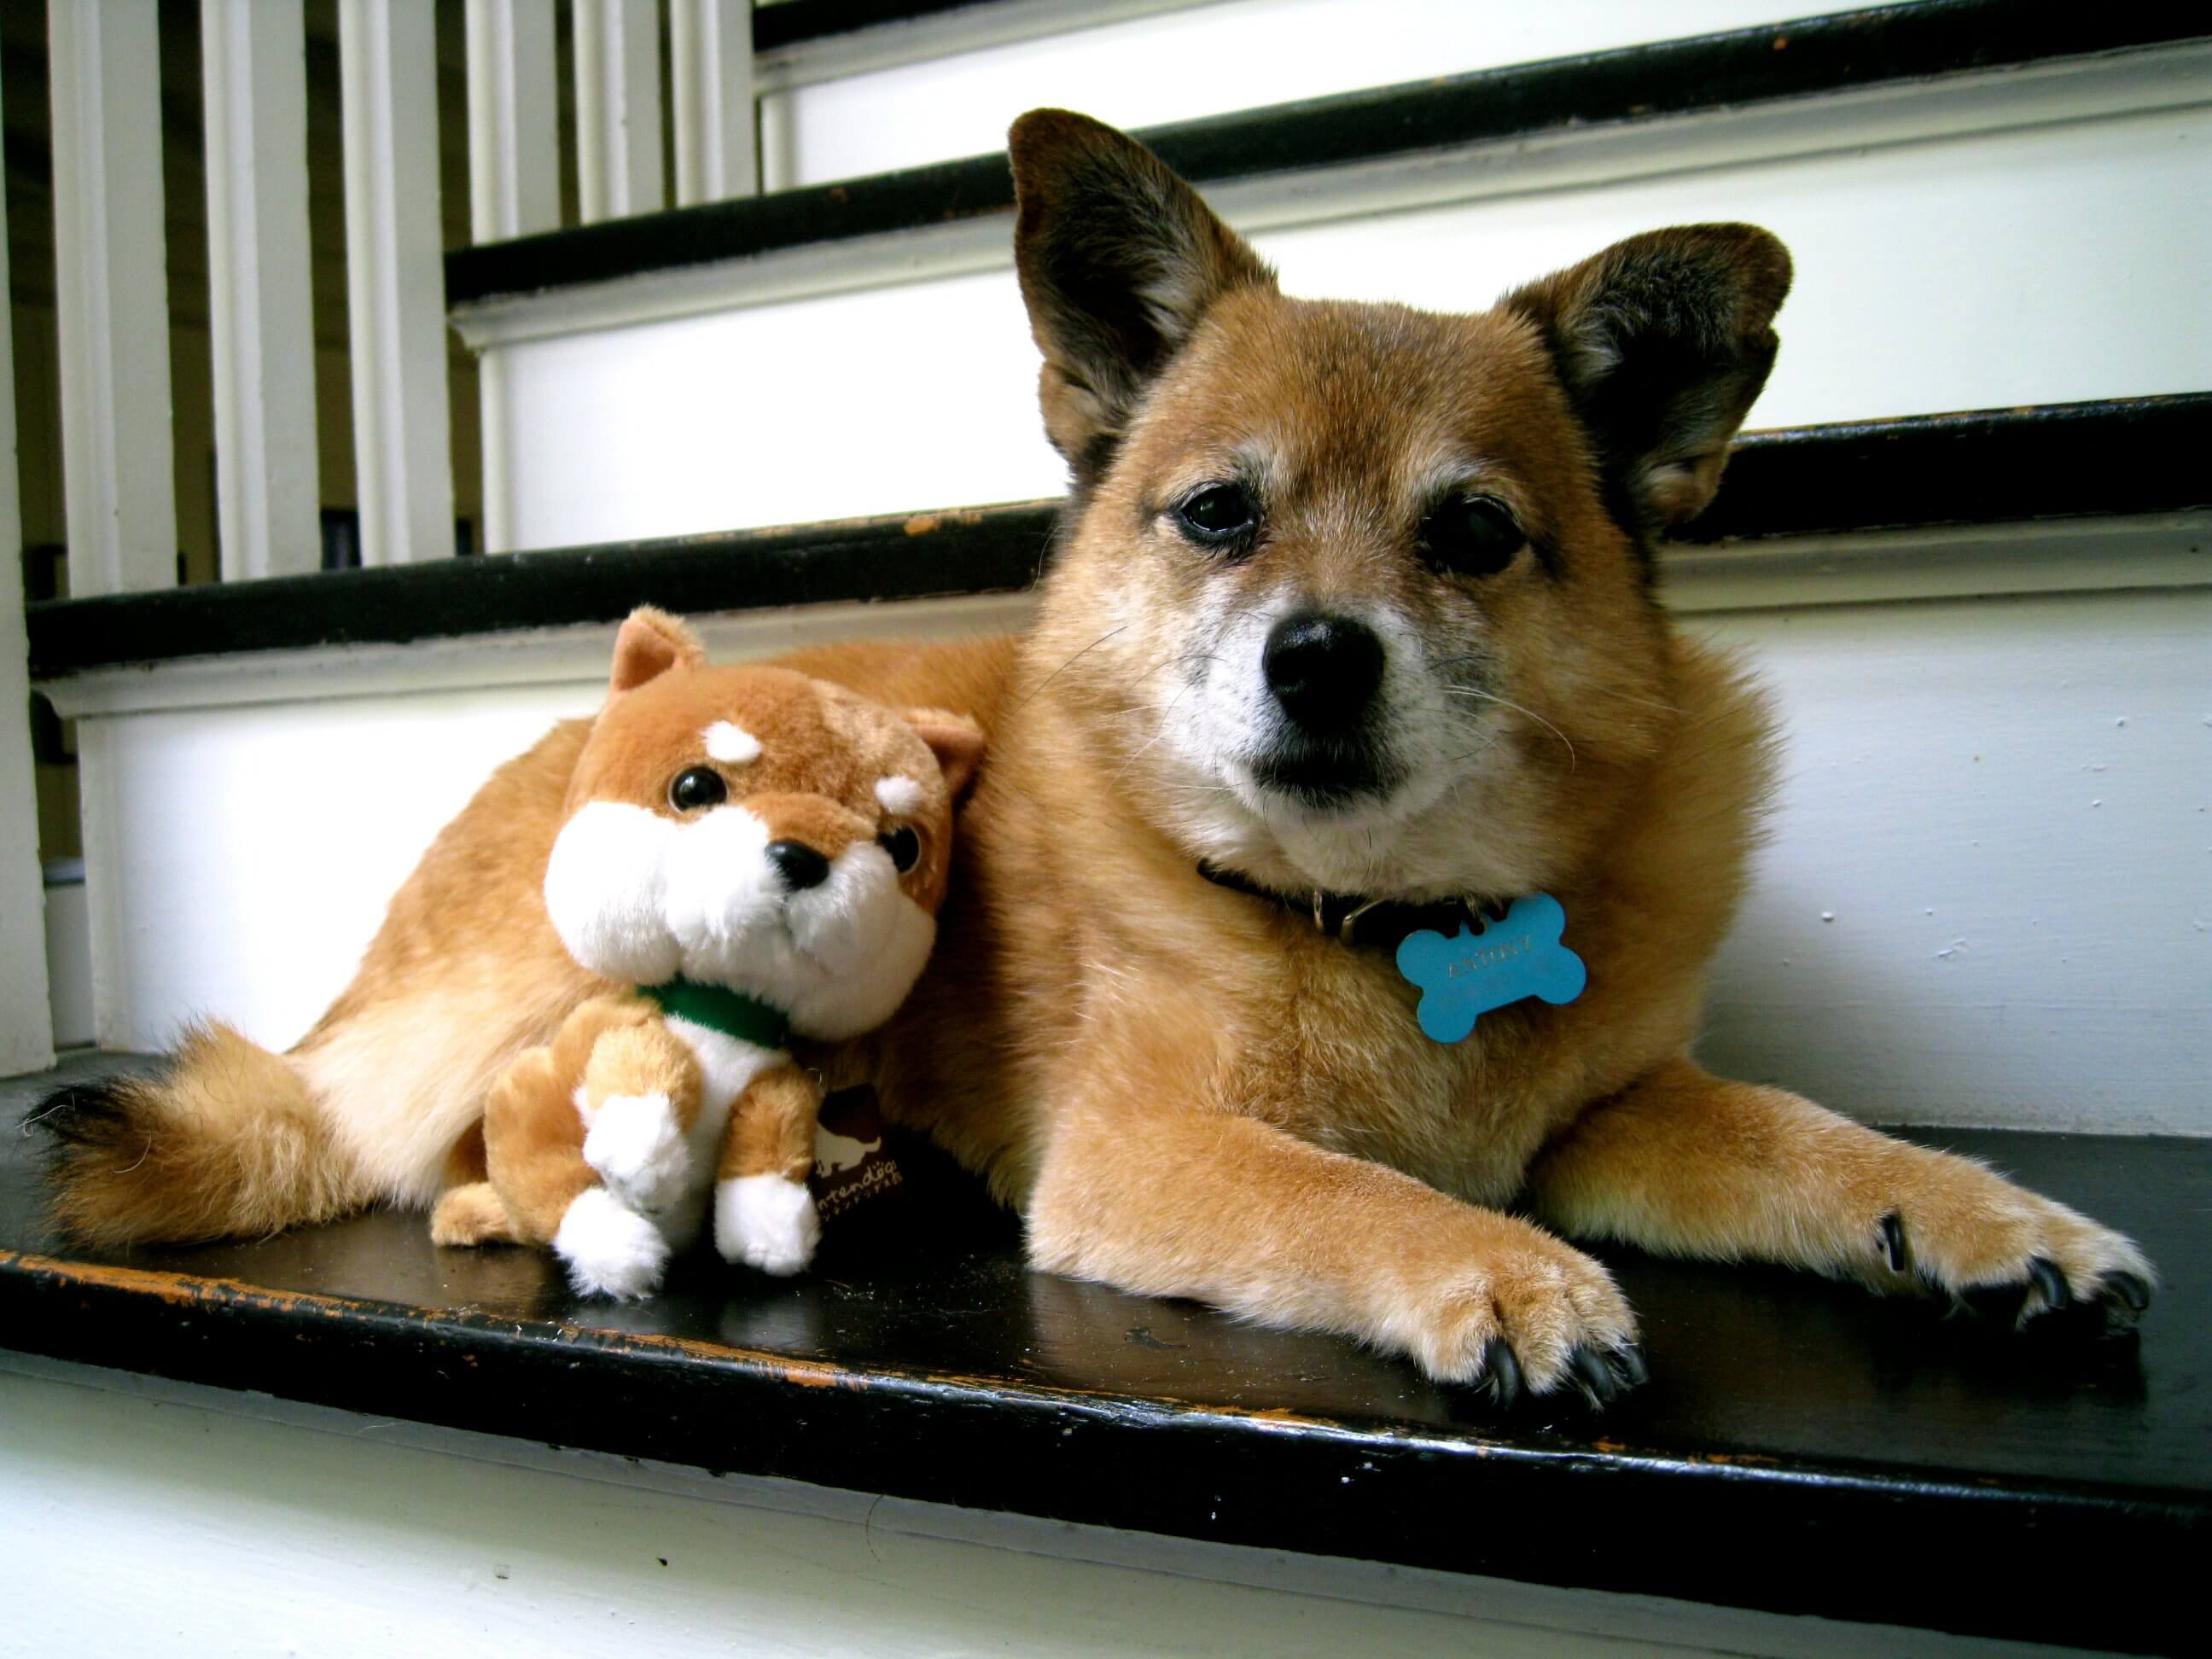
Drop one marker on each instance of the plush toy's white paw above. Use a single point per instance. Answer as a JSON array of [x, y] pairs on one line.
[[638, 1150], [766, 1221], [610, 1250]]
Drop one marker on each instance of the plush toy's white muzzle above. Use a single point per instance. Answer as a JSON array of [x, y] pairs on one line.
[[642, 898]]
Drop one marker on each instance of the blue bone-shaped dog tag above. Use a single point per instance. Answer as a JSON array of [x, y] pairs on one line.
[[1464, 977]]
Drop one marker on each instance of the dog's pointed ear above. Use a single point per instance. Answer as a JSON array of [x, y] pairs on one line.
[[1664, 341], [956, 740], [1119, 258], [651, 643]]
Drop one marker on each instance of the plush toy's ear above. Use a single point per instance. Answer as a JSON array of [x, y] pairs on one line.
[[650, 644], [1118, 261], [956, 740], [1664, 341]]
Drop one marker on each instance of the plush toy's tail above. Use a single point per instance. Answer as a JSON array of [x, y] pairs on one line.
[[225, 1142]]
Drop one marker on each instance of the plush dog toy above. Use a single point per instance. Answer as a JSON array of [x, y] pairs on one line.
[[749, 855]]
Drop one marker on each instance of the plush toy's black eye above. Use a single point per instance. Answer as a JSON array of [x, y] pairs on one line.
[[697, 786], [1471, 536], [1219, 514], [904, 846]]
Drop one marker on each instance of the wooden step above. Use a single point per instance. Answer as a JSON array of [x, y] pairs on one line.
[[1801, 1448]]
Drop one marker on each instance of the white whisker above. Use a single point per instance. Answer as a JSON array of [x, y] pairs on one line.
[[1573, 761]]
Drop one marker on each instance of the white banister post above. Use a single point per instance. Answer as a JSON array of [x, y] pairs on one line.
[[27, 1020], [260, 304], [396, 280], [514, 139], [515, 189], [617, 108], [711, 69], [112, 295]]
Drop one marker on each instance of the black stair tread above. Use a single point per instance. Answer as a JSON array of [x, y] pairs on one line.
[[1804, 58], [2116, 456], [1801, 1446]]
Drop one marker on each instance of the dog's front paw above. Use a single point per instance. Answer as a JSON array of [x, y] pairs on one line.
[[766, 1221], [1945, 1224], [610, 1248], [1534, 1315], [637, 1149]]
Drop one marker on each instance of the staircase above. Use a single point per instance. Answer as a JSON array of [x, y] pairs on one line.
[[1967, 549]]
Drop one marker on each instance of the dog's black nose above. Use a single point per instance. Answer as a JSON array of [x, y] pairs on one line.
[[1324, 670], [799, 865]]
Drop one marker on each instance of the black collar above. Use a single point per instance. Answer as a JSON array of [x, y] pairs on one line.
[[1354, 918]]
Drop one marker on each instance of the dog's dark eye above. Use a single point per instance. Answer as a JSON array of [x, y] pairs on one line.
[[1218, 515], [1471, 536], [697, 786], [904, 846]]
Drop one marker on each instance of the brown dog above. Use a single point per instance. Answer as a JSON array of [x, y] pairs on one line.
[[1354, 609]]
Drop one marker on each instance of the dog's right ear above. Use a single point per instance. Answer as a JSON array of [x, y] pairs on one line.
[[651, 643], [1119, 258]]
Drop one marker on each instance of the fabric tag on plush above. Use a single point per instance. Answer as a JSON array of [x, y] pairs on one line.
[[851, 1168], [1464, 977]]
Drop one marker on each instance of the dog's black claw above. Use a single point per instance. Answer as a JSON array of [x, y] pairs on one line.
[[1593, 1376], [2056, 1293], [1627, 1363], [2131, 1288], [1892, 1228], [1502, 1371]]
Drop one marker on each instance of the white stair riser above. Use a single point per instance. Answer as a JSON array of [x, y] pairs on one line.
[[2034, 264], [1182, 66], [1999, 802]]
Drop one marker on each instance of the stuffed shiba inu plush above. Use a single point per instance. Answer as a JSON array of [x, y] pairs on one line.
[[738, 844], [576, 1019]]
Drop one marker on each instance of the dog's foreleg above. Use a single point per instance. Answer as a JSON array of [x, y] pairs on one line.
[[1248, 1216], [764, 1215], [1688, 1163]]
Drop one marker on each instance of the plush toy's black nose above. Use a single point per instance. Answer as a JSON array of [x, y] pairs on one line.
[[1323, 669], [799, 865]]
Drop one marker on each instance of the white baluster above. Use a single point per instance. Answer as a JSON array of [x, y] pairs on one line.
[[710, 51], [26, 1029], [396, 280], [112, 286], [260, 305], [617, 108], [514, 142], [514, 188]]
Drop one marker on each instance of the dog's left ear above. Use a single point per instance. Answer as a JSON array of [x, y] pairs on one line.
[[1664, 341], [1119, 260], [956, 740]]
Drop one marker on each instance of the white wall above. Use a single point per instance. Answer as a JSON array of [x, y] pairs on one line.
[[2035, 264], [1204, 60], [150, 1517], [1988, 899]]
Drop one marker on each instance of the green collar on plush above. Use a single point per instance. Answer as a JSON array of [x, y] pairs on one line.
[[719, 1009]]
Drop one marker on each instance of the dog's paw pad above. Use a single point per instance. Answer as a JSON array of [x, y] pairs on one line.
[[766, 1221], [609, 1248]]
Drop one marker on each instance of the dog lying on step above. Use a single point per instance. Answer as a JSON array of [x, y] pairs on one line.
[[1351, 636], [762, 853]]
